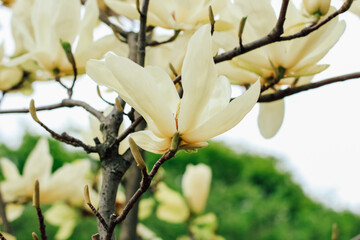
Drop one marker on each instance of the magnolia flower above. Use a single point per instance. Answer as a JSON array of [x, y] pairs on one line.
[[46, 22], [172, 207], [291, 61], [204, 110], [196, 186], [63, 216], [320, 7], [171, 14], [66, 183]]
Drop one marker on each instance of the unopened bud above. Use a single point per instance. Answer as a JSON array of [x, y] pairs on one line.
[[241, 28], [32, 110], [36, 195], [175, 142], [212, 19], [118, 105], [137, 155], [86, 194], [34, 236]]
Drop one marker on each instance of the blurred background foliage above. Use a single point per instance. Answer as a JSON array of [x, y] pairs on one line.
[[250, 196]]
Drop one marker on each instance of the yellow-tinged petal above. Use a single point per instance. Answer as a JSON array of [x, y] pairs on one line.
[[8, 236], [270, 118], [149, 142], [196, 186], [14, 211], [38, 164], [146, 208], [141, 87], [172, 206], [165, 86], [235, 74], [88, 23], [9, 170], [63, 216], [227, 118], [199, 77]]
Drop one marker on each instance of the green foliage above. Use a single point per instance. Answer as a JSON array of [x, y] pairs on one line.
[[252, 199]]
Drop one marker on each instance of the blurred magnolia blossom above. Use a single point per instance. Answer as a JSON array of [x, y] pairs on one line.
[[9, 76], [65, 184], [204, 110], [172, 14], [39, 25], [355, 8], [287, 63], [63, 216], [196, 186]]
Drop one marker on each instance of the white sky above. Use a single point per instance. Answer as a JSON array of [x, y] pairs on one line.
[[318, 141]]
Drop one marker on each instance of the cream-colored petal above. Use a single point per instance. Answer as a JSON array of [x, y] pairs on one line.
[[165, 86], [149, 142], [38, 164], [14, 211], [87, 26], [227, 118], [196, 186], [235, 74], [172, 206], [199, 77], [67, 183], [123, 8], [271, 116], [143, 91], [63, 216], [9, 170], [146, 208], [309, 70], [66, 20]]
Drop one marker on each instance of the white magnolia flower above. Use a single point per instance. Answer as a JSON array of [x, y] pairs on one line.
[[204, 110], [196, 186], [293, 61], [171, 14], [39, 25], [66, 183]]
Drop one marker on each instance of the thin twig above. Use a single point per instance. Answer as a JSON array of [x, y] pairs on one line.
[[275, 34], [114, 27], [64, 103], [154, 43], [290, 91], [98, 216], [129, 130], [42, 223], [144, 186]]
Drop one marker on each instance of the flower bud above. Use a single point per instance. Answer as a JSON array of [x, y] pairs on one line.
[[314, 7], [196, 185], [36, 195]]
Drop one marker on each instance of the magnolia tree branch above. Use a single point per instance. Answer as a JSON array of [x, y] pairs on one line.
[[64, 103], [293, 90], [142, 33], [144, 186], [276, 32], [114, 27]]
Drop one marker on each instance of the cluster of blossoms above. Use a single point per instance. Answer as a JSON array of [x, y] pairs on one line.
[[195, 110]]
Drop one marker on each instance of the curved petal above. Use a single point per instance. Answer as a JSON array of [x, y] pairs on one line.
[[227, 118], [198, 78], [9, 170], [271, 116], [166, 86], [149, 142], [140, 86], [38, 164]]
